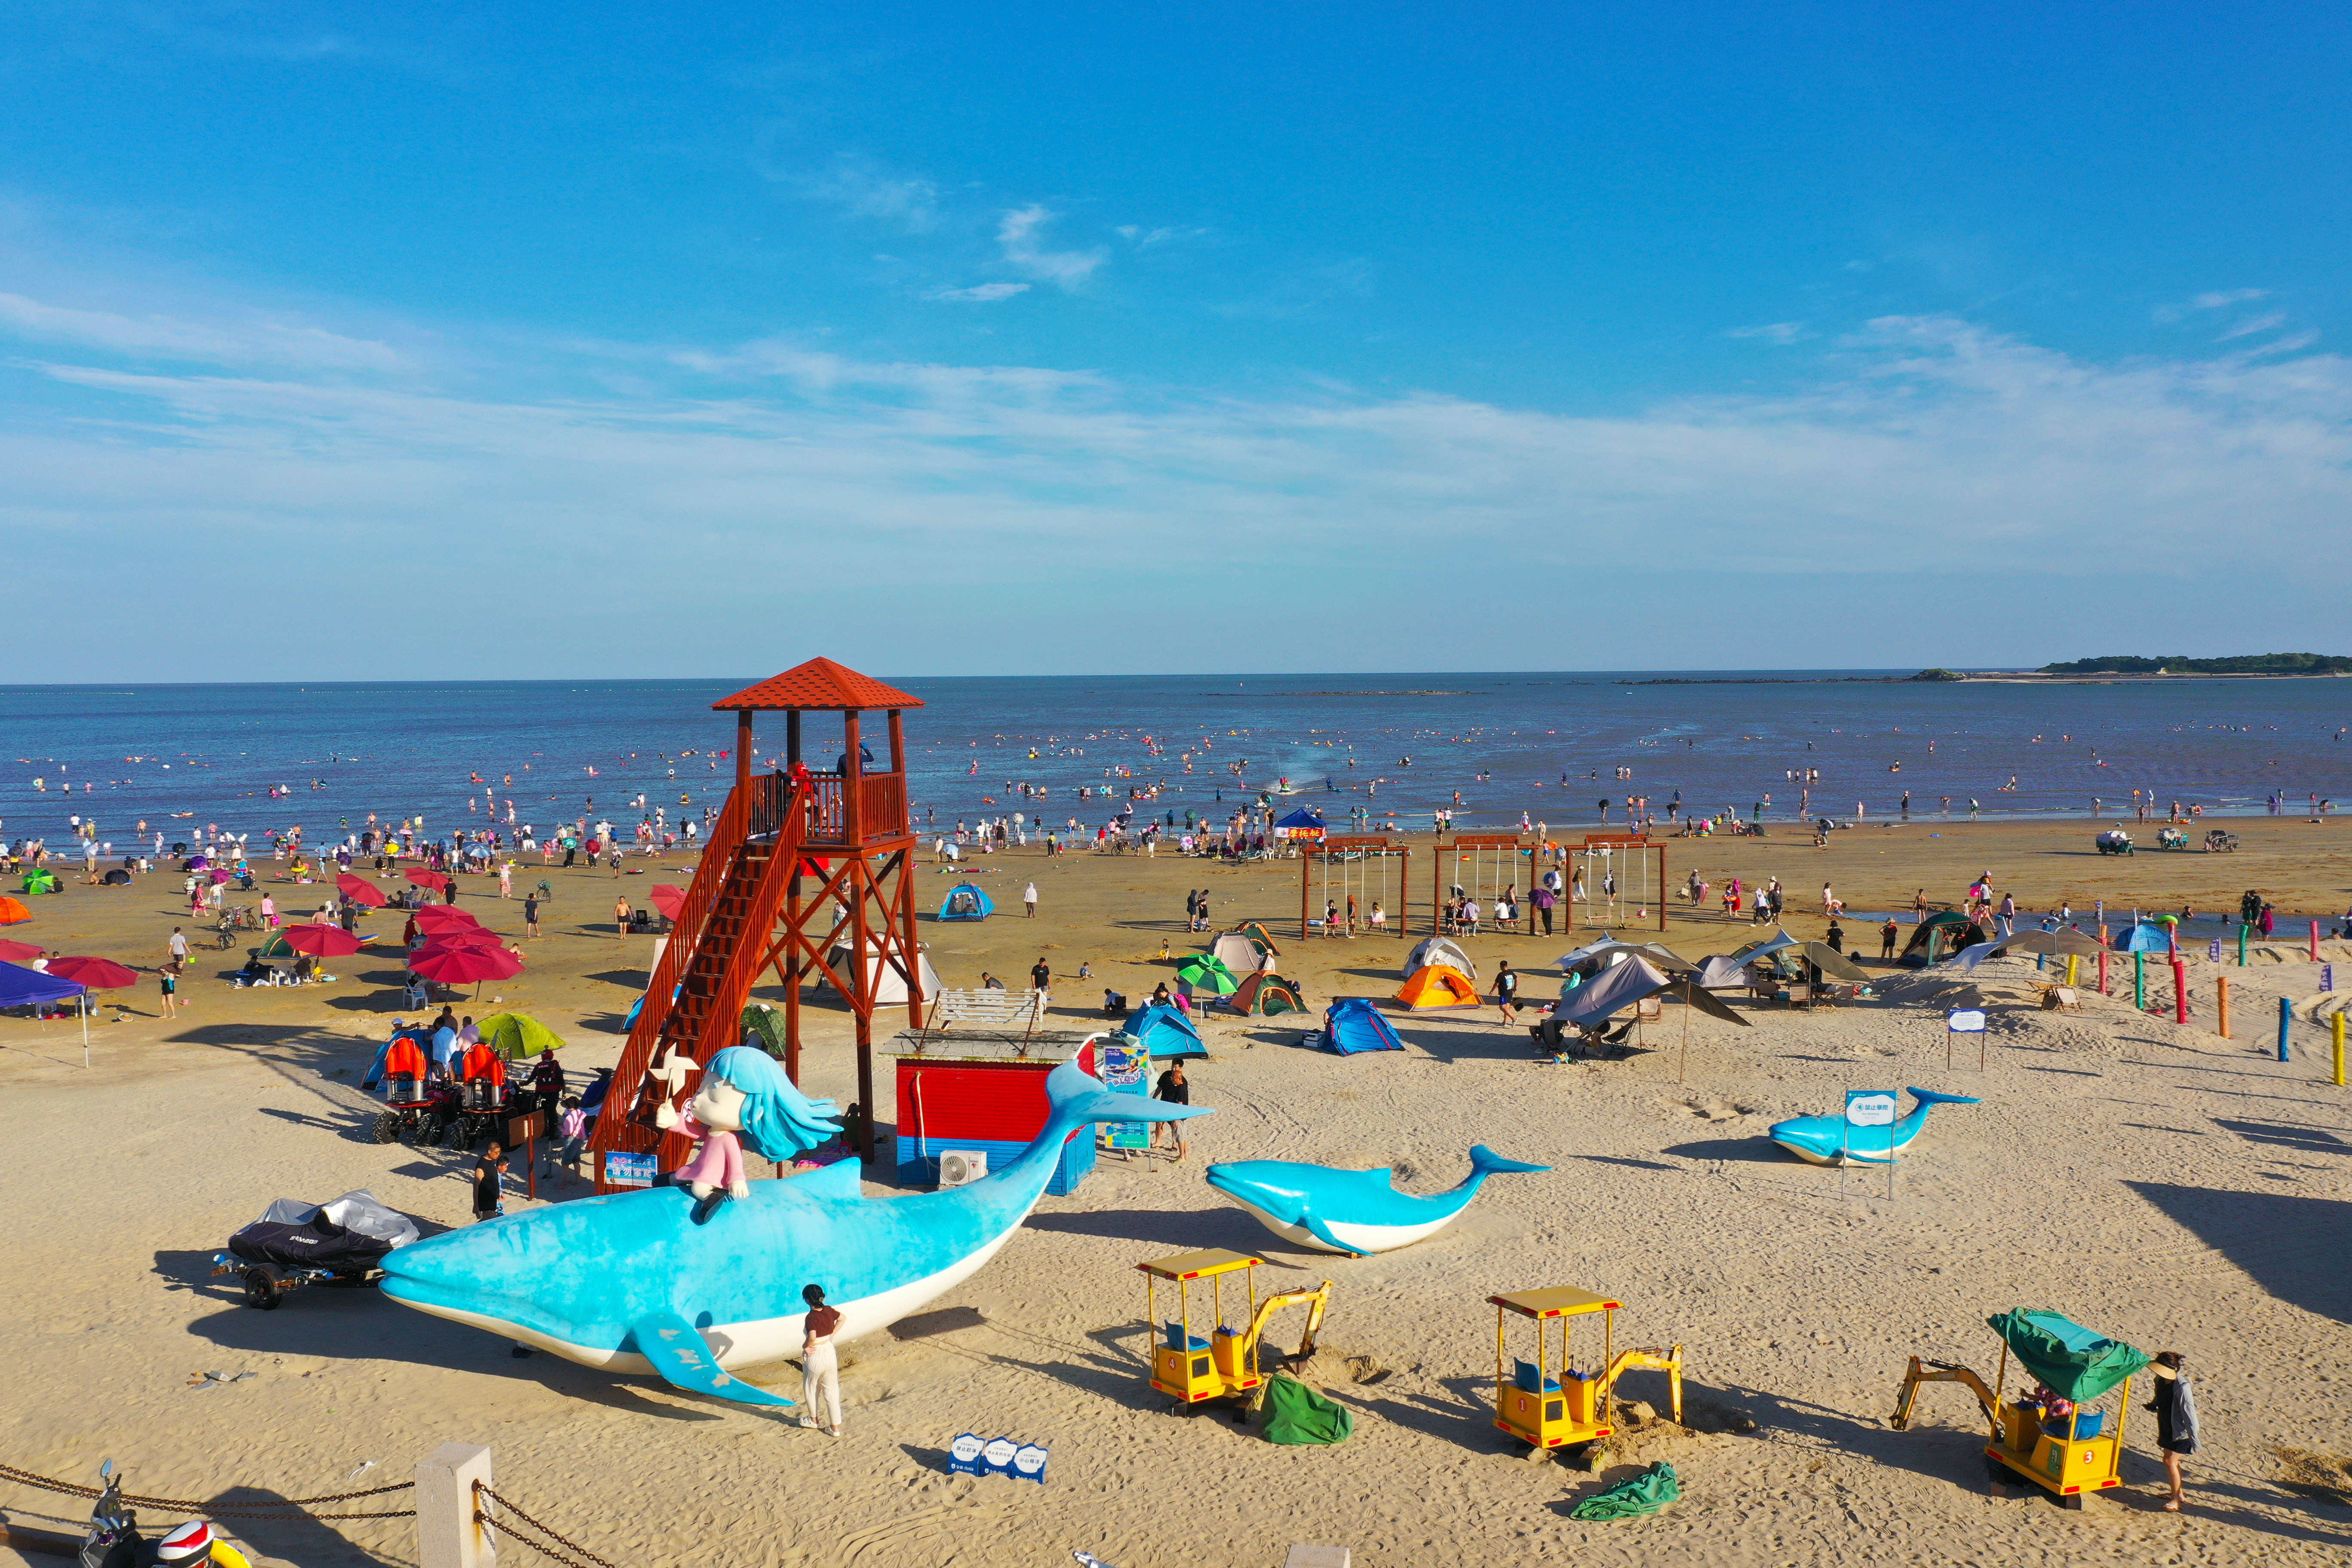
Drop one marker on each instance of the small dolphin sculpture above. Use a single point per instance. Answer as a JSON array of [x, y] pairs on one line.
[[627, 1281], [1357, 1212], [1828, 1140]]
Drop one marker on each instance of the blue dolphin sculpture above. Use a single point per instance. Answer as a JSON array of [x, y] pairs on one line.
[[1828, 1140], [1357, 1212], [627, 1281]]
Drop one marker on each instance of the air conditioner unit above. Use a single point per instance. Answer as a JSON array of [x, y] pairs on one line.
[[959, 1167]]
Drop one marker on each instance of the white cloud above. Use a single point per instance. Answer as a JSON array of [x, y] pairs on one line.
[[245, 339], [981, 293], [2212, 299], [865, 189], [2252, 324], [1019, 234], [1923, 444], [1772, 332]]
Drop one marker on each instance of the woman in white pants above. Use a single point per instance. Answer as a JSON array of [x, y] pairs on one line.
[[819, 1367]]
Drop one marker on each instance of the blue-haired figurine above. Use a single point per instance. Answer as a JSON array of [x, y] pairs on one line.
[[744, 1092]]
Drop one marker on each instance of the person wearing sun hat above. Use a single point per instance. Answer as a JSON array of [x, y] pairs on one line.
[[2176, 1419]]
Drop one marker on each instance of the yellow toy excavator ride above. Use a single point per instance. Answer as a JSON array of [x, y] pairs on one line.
[[1192, 1369], [2048, 1434], [1543, 1411]]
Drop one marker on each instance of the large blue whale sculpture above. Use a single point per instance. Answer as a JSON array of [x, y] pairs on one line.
[[1828, 1140], [627, 1281], [1357, 1212]]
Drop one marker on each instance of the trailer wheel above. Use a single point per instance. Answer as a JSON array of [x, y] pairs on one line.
[[261, 1291]]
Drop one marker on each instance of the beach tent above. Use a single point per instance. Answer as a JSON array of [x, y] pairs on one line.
[[1594, 957], [966, 902], [1258, 934], [1201, 972], [1729, 968], [1833, 965], [1438, 985], [1267, 993], [2057, 943], [1163, 1032], [2145, 936], [39, 879], [1439, 950], [1946, 932], [1303, 823], [1352, 1024], [1237, 952], [517, 1035], [23, 988], [13, 914], [887, 984], [1628, 982], [118, 877]]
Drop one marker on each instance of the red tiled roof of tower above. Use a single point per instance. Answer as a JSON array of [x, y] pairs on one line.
[[819, 684]]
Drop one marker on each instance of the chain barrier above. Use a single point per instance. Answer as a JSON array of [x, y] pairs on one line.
[[278, 1510], [483, 1517]]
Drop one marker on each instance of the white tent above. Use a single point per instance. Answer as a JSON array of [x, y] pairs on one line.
[[888, 984], [1240, 954], [1439, 950]]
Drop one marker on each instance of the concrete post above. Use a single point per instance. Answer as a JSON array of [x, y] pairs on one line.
[[447, 1535]]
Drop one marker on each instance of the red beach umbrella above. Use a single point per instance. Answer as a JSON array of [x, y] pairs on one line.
[[20, 951], [323, 941], [360, 891], [97, 973], [667, 900], [435, 917], [464, 965], [424, 879], [461, 936]]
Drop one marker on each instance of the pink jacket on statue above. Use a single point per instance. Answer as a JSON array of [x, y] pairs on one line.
[[719, 1163]]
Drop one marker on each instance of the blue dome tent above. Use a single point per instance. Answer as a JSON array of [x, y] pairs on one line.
[[966, 902], [1356, 1025], [1163, 1031]]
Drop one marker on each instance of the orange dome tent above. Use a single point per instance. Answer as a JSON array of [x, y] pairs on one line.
[[1438, 985]]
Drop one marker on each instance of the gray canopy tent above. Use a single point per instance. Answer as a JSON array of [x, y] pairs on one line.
[[1587, 1007]]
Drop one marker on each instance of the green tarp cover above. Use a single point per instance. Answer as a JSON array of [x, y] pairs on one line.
[[1296, 1413], [764, 1027], [1646, 1493], [2072, 1359]]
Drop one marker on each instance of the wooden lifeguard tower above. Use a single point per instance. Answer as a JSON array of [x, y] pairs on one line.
[[808, 869]]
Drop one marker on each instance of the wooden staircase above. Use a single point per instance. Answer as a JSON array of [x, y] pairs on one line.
[[694, 1003]]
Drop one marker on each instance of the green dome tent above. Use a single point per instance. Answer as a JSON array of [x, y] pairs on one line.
[[516, 1035]]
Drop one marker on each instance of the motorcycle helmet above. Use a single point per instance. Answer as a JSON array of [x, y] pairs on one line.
[[190, 1543]]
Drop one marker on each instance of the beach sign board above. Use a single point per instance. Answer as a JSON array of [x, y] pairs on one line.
[[1965, 1021], [625, 1170], [1126, 1065], [1870, 1108], [1029, 1463], [963, 1455], [997, 1456]]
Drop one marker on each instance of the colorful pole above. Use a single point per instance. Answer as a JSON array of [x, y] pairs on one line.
[[2179, 991], [2139, 981], [2336, 1033], [2103, 972], [2286, 1017], [2314, 941], [2242, 944], [2222, 1006]]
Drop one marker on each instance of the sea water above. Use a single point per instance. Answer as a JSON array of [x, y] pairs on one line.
[[1387, 750]]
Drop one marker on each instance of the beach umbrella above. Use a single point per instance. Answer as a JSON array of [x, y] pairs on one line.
[[97, 973], [1204, 973], [439, 916], [462, 936], [360, 891], [667, 900], [324, 942], [424, 879], [516, 1035], [13, 913], [19, 951], [198, 862], [464, 965]]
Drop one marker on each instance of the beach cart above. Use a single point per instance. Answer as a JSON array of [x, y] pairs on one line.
[[2050, 1434], [1549, 1403], [1192, 1369]]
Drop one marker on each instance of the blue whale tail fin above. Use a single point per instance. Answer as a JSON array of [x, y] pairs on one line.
[[1078, 1098], [1925, 1097], [1485, 1162]]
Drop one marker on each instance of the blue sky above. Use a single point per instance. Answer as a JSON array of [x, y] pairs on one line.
[[1310, 337]]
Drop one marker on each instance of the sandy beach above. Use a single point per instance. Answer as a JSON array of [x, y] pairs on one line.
[[2153, 1180]]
